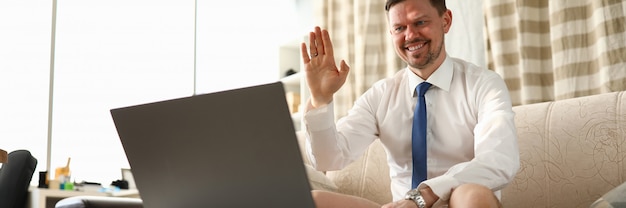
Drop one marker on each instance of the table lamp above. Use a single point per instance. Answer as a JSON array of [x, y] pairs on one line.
[[3, 156]]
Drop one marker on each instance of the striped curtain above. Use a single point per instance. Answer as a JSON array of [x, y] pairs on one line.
[[358, 29], [544, 49], [557, 49], [360, 35]]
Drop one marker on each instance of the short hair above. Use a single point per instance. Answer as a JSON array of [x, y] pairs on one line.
[[440, 5]]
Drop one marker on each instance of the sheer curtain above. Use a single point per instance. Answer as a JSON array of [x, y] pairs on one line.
[[557, 49]]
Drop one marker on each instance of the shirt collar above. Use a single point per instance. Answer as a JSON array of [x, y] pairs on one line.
[[441, 77]]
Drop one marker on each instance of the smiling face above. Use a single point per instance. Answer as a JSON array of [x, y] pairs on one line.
[[418, 31]]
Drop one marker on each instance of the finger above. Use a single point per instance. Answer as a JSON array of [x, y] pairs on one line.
[[319, 40], [312, 47], [328, 45], [304, 53], [343, 70], [319, 43]]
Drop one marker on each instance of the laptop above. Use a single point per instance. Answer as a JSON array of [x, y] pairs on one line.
[[235, 148]]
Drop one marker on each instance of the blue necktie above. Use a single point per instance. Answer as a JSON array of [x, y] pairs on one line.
[[418, 137]]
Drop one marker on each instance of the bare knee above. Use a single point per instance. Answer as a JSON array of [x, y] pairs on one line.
[[321, 198], [474, 196], [325, 199]]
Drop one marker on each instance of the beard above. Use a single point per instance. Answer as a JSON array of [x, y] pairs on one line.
[[429, 57]]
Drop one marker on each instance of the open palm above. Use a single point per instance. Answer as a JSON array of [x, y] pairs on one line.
[[322, 75]]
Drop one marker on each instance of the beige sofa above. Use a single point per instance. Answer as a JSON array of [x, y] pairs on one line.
[[572, 152]]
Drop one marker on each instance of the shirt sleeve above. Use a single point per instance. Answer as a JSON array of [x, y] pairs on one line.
[[327, 145], [496, 153]]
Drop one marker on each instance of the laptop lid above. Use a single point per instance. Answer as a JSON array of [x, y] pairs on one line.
[[235, 148]]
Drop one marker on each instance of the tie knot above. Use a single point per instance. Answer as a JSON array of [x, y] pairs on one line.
[[421, 88]]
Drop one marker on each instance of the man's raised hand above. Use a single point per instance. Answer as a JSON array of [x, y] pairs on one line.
[[322, 75]]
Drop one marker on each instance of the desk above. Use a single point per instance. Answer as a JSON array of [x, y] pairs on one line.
[[47, 198]]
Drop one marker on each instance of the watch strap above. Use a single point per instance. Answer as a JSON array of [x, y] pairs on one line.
[[419, 200], [415, 196]]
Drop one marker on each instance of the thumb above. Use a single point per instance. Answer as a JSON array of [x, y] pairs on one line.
[[344, 68]]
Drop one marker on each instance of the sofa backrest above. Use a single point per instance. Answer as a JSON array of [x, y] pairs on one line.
[[571, 151]]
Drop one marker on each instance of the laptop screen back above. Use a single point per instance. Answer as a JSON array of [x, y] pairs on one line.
[[235, 148]]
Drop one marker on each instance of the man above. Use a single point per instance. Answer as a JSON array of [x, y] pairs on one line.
[[469, 132]]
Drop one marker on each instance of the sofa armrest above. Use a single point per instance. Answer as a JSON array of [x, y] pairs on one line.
[[99, 202]]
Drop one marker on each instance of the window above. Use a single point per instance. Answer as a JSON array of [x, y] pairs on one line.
[[112, 54], [117, 53], [238, 45], [24, 76]]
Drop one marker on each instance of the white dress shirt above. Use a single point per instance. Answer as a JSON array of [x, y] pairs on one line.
[[471, 134]]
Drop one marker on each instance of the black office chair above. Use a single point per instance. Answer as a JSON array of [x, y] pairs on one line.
[[15, 176]]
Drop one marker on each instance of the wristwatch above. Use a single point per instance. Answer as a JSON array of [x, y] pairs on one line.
[[415, 196]]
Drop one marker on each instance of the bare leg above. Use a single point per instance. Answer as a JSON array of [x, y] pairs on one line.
[[325, 199], [473, 196]]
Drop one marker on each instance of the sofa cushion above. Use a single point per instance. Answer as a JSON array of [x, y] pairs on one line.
[[367, 177]]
